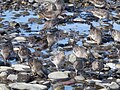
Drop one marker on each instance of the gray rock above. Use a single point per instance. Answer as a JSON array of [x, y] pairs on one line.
[[21, 67], [35, 5], [5, 68], [3, 87], [72, 58], [111, 65], [12, 77], [58, 75], [118, 71], [23, 77], [79, 78], [31, 1], [114, 86], [27, 86], [20, 39]]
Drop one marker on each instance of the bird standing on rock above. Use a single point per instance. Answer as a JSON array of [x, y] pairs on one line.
[[24, 53], [7, 51], [80, 52], [79, 66], [115, 35], [58, 59], [98, 3], [37, 67], [50, 10], [95, 35]]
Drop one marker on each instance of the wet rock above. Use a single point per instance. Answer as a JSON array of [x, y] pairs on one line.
[[90, 88], [23, 77], [3, 87], [47, 83], [3, 77], [20, 39], [72, 58], [27, 86], [21, 67], [111, 65], [114, 86], [58, 75], [5, 68], [118, 65], [12, 77], [79, 78], [118, 81], [31, 1]]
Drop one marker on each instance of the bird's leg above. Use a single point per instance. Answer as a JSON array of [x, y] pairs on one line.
[[5, 61], [100, 22]]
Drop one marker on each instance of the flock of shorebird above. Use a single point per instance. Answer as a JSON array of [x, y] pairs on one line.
[[51, 10]]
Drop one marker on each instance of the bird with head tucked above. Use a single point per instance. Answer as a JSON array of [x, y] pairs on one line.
[[51, 9]]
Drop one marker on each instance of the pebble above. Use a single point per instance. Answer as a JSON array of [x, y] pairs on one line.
[[118, 65], [23, 77], [58, 75], [20, 39], [72, 58], [79, 78], [12, 77], [27, 86], [118, 81], [111, 65]]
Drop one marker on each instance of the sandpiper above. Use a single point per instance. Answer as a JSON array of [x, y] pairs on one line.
[[24, 53], [79, 66], [58, 59], [50, 10], [80, 52], [97, 65], [37, 67], [51, 39], [102, 14], [98, 3], [7, 51], [95, 35], [116, 35]]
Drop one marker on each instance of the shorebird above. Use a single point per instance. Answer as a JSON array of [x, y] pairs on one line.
[[58, 59], [50, 10], [97, 65], [37, 67], [98, 3], [80, 52], [7, 51], [95, 35], [24, 53], [101, 14], [51, 39], [116, 35], [79, 66]]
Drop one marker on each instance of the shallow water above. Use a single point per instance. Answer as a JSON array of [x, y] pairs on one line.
[[35, 28]]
